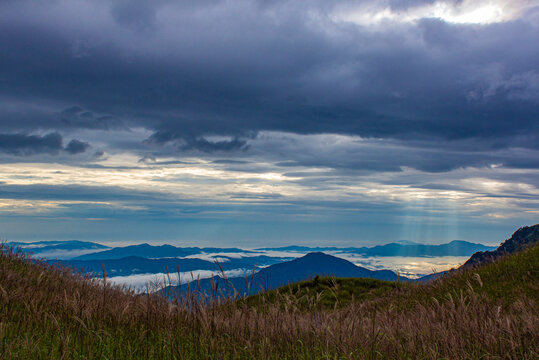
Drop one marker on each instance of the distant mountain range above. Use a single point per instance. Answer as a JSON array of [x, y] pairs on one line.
[[277, 275], [408, 249], [155, 251], [59, 249], [84, 250], [318, 263], [273, 270], [59, 245]]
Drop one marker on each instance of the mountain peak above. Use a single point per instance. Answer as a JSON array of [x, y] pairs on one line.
[[315, 254]]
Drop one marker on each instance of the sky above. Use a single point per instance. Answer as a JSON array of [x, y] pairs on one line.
[[252, 123]]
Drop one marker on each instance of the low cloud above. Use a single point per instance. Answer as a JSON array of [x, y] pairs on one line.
[[195, 143], [76, 147], [24, 145], [51, 143], [143, 282], [204, 145]]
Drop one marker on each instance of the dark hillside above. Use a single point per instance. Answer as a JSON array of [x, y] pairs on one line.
[[522, 238]]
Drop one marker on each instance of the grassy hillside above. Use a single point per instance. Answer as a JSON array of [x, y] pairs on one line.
[[324, 293], [491, 312], [507, 280]]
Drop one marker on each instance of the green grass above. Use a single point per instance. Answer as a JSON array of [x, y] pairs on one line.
[[505, 280], [325, 292], [487, 313]]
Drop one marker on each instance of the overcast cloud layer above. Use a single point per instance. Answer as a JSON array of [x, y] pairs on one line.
[[254, 121]]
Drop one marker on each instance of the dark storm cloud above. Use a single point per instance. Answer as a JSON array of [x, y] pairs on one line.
[[201, 144], [191, 70], [23, 144], [76, 147], [99, 154], [376, 155]]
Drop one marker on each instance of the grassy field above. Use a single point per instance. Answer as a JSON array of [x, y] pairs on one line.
[[325, 293], [488, 313]]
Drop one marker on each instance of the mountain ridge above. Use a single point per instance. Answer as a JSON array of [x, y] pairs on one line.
[[521, 239], [155, 251], [453, 248], [85, 250]]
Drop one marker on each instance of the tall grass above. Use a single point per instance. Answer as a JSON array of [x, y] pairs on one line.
[[48, 312]]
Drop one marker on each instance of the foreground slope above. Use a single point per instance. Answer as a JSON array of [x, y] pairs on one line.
[[488, 312]]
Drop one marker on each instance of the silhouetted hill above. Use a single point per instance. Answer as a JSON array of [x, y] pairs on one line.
[[521, 239], [299, 269], [131, 265], [317, 263]]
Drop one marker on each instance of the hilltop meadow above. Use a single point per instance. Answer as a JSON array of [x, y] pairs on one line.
[[488, 312]]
